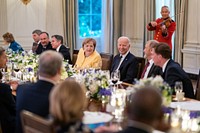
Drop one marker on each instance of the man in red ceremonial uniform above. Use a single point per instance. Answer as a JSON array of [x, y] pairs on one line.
[[164, 27]]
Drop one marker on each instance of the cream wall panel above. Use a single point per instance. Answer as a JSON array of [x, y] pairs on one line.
[[133, 25], [191, 49], [192, 22], [23, 19], [136, 48], [54, 17]]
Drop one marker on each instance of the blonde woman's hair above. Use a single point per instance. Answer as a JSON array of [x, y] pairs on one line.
[[67, 101], [87, 40]]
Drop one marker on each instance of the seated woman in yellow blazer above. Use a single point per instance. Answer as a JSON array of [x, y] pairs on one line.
[[88, 57]]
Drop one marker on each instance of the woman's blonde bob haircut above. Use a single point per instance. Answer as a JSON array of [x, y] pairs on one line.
[[67, 102]]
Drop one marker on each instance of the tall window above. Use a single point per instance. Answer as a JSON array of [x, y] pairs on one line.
[[89, 21]]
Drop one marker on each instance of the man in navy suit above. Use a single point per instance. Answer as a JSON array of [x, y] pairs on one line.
[[172, 71], [44, 44], [144, 111], [35, 97], [7, 103], [57, 44], [125, 62], [152, 70]]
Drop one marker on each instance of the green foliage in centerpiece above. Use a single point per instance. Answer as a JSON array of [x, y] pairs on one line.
[[67, 70], [158, 82]]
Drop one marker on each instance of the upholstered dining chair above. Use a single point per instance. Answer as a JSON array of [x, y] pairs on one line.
[[198, 87], [33, 123], [74, 56], [141, 66], [0, 128], [106, 60]]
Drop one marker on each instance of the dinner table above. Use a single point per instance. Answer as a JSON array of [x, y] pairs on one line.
[[165, 124]]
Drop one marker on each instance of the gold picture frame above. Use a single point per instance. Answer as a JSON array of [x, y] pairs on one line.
[[25, 2]]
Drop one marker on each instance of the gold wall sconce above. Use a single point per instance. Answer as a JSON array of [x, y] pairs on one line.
[[25, 2]]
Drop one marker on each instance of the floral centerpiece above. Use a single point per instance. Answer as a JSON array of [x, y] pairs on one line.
[[158, 82], [96, 82], [26, 63]]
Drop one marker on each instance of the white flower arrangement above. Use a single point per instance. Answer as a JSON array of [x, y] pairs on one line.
[[158, 82], [95, 81]]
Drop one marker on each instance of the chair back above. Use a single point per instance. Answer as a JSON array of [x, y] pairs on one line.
[[198, 87], [74, 56], [33, 123], [141, 65], [0, 128], [106, 60]]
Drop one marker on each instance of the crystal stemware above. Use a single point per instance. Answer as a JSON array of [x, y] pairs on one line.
[[115, 77]]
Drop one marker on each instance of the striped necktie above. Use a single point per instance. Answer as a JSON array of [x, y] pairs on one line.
[[145, 69]]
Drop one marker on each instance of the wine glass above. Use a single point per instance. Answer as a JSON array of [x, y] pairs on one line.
[[178, 87], [115, 77], [16, 68]]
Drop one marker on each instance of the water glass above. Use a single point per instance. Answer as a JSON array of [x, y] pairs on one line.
[[178, 87], [118, 101]]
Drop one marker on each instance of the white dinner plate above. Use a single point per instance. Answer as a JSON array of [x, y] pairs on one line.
[[187, 105], [157, 131], [96, 117]]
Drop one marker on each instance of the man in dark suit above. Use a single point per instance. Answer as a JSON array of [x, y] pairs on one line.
[[144, 111], [172, 71], [125, 62], [7, 103], [151, 70], [57, 44], [36, 37], [44, 44], [35, 97]]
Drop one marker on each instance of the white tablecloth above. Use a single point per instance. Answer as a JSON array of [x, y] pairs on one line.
[[187, 105]]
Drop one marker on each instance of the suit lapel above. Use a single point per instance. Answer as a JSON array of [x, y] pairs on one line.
[[164, 73], [151, 70], [117, 62], [124, 61]]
